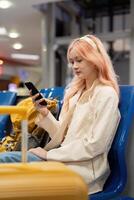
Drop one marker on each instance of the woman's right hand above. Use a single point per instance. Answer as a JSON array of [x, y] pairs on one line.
[[41, 108]]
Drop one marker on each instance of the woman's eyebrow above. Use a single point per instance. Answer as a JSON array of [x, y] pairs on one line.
[[70, 59], [74, 58]]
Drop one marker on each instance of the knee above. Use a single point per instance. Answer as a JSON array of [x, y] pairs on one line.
[[4, 157], [9, 157]]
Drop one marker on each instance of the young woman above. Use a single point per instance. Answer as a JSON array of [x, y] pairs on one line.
[[89, 117]]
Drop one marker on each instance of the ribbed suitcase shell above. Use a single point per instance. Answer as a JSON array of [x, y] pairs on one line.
[[40, 180]]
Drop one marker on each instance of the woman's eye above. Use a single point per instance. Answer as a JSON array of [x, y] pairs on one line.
[[72, 62], [79, 60]]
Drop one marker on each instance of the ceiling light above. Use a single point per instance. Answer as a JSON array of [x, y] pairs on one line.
[[17, 46], [25, 56], [4, 4], [13, 34], [3, 31]]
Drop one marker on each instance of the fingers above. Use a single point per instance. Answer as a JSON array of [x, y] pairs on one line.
[[41, 108], [30, 92], [34, 97], [40, 152], [40, 100], [37, 103], [31, 150]]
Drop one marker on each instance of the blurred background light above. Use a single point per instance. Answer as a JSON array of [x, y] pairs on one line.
[[17, 46], [4, 4]]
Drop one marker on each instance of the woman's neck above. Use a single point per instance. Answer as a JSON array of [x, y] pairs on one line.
[[89, 82]]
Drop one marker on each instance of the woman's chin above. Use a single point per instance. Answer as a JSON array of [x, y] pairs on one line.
[[79, 76]]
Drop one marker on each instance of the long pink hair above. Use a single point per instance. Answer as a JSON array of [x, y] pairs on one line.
[[91, 49]]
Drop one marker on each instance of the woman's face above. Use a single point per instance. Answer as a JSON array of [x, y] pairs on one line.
[[81, 68]]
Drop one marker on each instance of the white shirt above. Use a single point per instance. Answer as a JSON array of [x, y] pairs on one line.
[[88, 129]]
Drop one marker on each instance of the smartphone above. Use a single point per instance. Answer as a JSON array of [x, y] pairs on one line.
[[34, 90]]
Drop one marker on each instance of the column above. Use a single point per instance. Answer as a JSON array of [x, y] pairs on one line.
[[44, 53], [48, 51]]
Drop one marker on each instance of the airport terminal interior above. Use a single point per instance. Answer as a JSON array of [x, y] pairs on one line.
[[34, 38]]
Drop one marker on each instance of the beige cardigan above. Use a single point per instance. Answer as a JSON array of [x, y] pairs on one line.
[[85, 134]]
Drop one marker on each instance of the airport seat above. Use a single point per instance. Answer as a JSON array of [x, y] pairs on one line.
[[6, 98], [45, 92], [54, 93], [118, 177], [124, 198]]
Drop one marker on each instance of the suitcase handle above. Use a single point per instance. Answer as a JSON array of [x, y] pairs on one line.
[[23, 113]]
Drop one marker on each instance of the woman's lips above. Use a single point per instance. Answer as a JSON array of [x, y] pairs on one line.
[[77, 72]]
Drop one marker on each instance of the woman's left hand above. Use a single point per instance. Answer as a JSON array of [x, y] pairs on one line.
[[40, 152]]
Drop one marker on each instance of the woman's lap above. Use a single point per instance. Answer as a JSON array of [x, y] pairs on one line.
[[15, 156]]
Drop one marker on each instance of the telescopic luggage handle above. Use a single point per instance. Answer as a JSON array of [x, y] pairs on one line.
[[22, 111]]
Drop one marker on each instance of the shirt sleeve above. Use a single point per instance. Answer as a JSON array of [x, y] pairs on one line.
[[49, 123], [98, 140]]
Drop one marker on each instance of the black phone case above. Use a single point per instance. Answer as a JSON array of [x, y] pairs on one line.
[[34, 90]]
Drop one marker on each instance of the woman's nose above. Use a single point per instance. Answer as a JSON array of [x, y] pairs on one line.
[[75, 66]]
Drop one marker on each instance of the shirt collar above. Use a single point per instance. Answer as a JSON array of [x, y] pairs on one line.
[[94, 84]]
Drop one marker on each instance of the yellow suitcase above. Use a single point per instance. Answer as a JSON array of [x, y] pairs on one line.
[[38, 180]]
